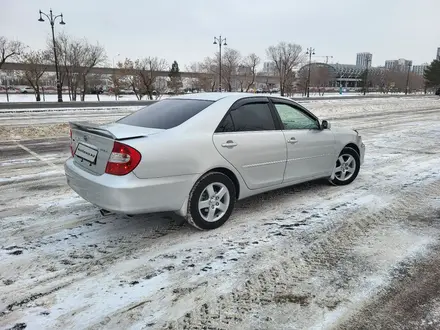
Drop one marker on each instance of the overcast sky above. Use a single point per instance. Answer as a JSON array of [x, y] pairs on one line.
[[183, 30]]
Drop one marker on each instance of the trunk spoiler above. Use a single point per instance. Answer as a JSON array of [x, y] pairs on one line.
[[96, 129], [92, 128]]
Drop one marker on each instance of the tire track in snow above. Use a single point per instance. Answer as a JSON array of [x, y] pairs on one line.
[[137, 245], [323, 249]]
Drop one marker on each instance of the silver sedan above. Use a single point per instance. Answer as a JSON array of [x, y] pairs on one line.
[[198, 154]]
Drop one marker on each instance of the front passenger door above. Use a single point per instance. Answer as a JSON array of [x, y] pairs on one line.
[[248, 139], [310, 150]]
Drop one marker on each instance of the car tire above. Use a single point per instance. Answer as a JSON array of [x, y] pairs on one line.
[[347, 167], [217, 192]]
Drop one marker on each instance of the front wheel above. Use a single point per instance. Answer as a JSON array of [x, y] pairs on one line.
[[211, 201], [346, 168]]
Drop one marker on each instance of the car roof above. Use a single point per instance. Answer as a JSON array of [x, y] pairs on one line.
[[215, 96]]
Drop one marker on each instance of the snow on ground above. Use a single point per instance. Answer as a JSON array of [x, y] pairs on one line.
[[14, 97], [15, 124], [54, 98], [312, 256]]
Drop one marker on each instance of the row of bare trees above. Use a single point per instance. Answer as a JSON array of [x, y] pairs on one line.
[[77, 57], [235, 69], [243, 70], [140, 76], [387, 81]]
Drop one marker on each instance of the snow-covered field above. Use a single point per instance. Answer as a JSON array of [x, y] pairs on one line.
[[313, 256], [15, 97]]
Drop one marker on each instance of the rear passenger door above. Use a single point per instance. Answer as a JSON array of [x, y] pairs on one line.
[[248, 139]]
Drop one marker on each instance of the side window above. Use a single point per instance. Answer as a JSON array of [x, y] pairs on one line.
[[253, 117], [226, 125], [293, 118]]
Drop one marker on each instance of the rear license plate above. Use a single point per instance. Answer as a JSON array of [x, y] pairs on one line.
[[86, 153]]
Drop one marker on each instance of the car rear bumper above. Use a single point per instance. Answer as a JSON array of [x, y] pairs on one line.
[[128, 194]]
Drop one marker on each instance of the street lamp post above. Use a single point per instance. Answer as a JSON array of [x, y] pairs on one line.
[[310, 52], [407, 77], [221, 42], [52, 20]]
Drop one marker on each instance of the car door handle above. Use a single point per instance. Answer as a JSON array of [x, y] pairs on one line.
[[229, 144], [292, 140]]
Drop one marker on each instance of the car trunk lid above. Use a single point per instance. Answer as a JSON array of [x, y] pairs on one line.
[[92, 144]]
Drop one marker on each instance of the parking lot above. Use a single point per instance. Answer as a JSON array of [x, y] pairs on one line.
[[312, 256]]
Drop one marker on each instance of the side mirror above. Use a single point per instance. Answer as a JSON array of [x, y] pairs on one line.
[[325, 124]]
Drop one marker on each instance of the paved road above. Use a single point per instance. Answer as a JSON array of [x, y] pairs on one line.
[[313, 256]]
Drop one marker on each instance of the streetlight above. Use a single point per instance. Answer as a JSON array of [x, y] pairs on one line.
[[221, 42], [407, 77], [310, 52], [52, 20]]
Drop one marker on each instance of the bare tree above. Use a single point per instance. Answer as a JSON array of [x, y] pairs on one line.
[[96, 82], [286, 57], [77, 57], [131, 78], [62, 43], [146, 70], [416, 82], [194, 78], [94, 56], [301, 81], [118, 80], [248, 72], [320, 78], [210, 68], [9, 50], [160, 87], [230, 63], [38, 62]]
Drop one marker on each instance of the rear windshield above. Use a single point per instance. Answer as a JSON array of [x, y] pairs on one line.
[[165, 114]]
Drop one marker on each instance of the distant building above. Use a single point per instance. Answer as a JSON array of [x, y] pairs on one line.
[[398, 65], [364, 59], [420, 69], [438, 54], [269, 67], [244, 70]]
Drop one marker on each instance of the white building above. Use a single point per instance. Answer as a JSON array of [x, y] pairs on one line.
[[398, 65], [269, 67], [420, 69], [364, 59]]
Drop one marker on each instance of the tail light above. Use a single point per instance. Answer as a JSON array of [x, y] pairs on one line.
[[123, 159], [71, 143]]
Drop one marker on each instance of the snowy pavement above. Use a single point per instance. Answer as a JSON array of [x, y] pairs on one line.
[[313, 256]]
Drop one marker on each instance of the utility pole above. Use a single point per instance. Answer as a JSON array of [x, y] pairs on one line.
[[310, 52], [220, 41], [52, 20]]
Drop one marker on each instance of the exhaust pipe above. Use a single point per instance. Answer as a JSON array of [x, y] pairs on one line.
[[104, 212]]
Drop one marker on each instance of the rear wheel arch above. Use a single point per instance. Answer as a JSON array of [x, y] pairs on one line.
[[229, 174]]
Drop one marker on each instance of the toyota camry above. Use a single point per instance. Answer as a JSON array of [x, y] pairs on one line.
[[198, 154]]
